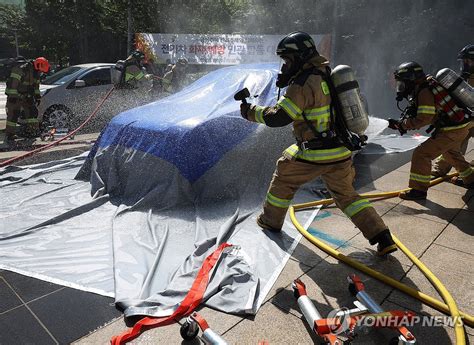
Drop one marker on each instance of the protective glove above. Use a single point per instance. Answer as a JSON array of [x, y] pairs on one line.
[[244, 110], [393, 124], [397, 125]]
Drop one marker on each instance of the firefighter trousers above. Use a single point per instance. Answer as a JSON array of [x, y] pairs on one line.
[[441, 167], [16, 107], [446, 143], [338, 177]]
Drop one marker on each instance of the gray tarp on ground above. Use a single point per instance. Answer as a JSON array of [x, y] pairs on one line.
[[53, 229], [167, 191]]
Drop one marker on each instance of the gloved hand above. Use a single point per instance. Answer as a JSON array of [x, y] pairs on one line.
[[244, 109], [393, 124], [37, 101], [396, 124]]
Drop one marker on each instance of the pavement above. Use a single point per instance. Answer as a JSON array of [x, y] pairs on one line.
[[438, 231]]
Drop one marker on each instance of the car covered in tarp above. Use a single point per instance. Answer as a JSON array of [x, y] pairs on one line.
[[191, 130]]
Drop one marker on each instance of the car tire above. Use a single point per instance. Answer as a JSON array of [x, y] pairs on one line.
[[57, 116]]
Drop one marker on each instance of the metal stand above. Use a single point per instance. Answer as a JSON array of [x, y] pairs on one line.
[[190, 329], [346, 323]]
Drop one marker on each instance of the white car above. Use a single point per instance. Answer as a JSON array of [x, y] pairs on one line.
[[69, 96]]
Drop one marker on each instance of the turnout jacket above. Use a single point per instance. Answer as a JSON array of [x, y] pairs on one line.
[[308, 95], [428, 112], [23, 82]]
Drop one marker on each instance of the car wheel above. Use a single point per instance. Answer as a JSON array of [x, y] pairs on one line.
[[57, 116]]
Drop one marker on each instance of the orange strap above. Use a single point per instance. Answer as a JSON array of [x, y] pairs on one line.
[[189, 303]]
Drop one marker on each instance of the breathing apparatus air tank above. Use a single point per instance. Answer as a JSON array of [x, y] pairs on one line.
[[117, 72], [353, 109], [457, 87]]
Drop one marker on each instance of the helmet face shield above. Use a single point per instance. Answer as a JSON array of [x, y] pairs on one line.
[[466, 66], [285, 65], [288, 68], [408, 75], [404, 88]]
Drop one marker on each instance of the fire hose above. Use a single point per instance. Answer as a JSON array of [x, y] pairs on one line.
[[449, 307], [54, 143]]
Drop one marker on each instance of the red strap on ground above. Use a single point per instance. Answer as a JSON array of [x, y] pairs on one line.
[[189, 303]]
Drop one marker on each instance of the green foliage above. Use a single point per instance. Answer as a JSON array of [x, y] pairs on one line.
[[11, 17], [79, 31]]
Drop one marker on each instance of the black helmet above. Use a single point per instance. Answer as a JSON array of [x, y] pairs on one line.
[[137, 54], [467, 52], [466, 55], [407, 75], [297, 43], [300, 47], [410, 71]]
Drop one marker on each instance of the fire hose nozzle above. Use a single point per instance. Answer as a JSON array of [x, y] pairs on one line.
[[242, 95]]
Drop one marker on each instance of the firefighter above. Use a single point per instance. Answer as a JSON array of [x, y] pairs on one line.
[[23, 95], [134, 73], [441, 166], [413, 84], [306, 104], [173, 80]]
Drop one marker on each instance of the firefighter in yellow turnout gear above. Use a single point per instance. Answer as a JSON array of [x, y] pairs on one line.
[[412, 84], [441, 166], [173, 80], [23, 95], [134, 74], [308, 96]]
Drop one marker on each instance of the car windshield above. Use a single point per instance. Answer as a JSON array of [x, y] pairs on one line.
[[61, 77]]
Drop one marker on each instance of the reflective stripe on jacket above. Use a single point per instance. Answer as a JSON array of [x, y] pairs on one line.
[[23, 82]]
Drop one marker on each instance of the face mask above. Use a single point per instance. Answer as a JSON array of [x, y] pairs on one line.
[[401, 90], [287, 70], [404, 89], [467, 66]]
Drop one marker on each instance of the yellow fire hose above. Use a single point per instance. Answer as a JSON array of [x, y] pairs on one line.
[[449, 307]]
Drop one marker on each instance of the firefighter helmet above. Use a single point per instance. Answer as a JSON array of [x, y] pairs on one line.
[[467, 52], [137, 54], [407, 75], [41, 64], [295, 49], [466, 55], [410, 71], [297, 43]]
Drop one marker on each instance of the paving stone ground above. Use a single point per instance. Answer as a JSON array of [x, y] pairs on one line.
[[439, 232]]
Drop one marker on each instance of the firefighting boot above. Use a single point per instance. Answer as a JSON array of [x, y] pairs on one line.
[[384, 241], [413, 194], [265, 226]]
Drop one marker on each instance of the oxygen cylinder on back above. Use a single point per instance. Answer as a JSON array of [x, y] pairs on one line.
[[457, 87], [353, 109], [117, 72]]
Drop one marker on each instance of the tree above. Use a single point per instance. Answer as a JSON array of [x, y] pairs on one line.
[[11, 17]]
